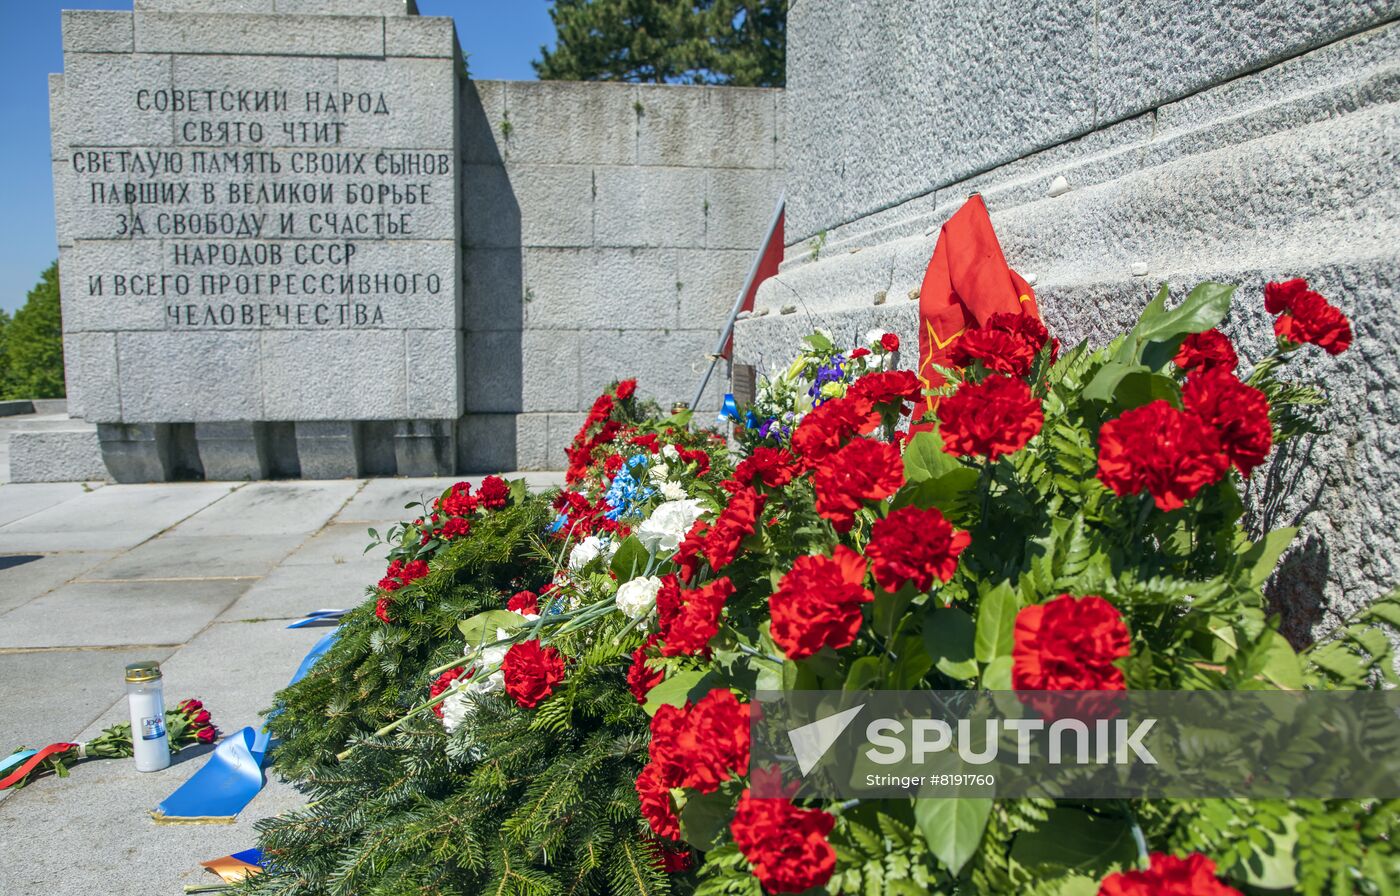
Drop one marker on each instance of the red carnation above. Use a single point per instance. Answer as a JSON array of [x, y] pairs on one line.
[[458, 501], [1172, 454], [997, 350], [914, 544], [456, 527], [687, 557], [829, 425], [650, 441], [1238, 413], [524, 602], [994, 417], [889, 342], [689, 628], [786, 846], [735, 523], [863, 471], [494, 492], [381, 609], [626, 389], [859, 352], [442, 683], [531, 671], [641, 678], [1206, 351], [697, 456], [672, 858], [1168, 876], [611, 464], [1024, 326], [668, 602], [1069, 644], [392, 580], [711, 744], [888, 387], [414, 570], [774, 467], [818, 603], [1305, 316], [657, 808]]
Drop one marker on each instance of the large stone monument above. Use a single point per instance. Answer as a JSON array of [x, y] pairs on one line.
[[295, 240], [258, 228]]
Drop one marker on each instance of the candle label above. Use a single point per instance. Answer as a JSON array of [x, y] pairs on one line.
[[152, 728]]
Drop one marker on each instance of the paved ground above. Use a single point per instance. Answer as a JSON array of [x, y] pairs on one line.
[[202, 577]]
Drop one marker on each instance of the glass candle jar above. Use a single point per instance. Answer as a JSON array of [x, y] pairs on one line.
[[145, 696]]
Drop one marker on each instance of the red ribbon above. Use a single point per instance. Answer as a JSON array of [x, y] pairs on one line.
[[31, 763]]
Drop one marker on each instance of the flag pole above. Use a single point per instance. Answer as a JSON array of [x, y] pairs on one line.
[[739, 302]]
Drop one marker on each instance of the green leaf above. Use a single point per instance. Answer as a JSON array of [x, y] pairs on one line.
[[1074, 840], [1276, 868], [481, 628], [1105, 383], [1281, 666], [996, 623], [925, 459], [948, 638], [677, 688], [911, 664], [952, 827], [865, 673], [1139, 387], [630, 560], [997, 675], [1204, 307], [1262, 557], [705, 818]]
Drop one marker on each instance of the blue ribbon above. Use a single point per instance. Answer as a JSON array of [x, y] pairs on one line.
[[15, 759], [233, 775], [730, 409]]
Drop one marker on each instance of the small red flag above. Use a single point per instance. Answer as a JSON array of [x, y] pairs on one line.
[[967, 281], [770, 256]]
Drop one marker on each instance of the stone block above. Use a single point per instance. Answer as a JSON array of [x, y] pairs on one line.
[[740, 207], [561, 429], [420, 36], [556, 204], [550, 370], [491, 214], [494, 296], [667, 364], [580, 288], [425, 447], [532, 442], [104, 87], [420, 93], [138, 452], [483, 113], [15, 407], [66, 455], [328, 449], [710, 280], [114, 517], [578, 122], [131, 613], [711, 127], [868, 128], [62, 201], [259, 35], [170, 377], [97, 31], [494, 367], [1160, 50], [232, 450], [366, 385], [390, 9], [650, 207], [197, 557], [270, 508], [90, 373], [297, 75], [433, 361], [206, 6], [486, 443], [97, 279]]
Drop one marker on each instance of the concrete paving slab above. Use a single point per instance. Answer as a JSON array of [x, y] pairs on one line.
[[270, 508], [384, 499], [21, 499], [53, 695], [198, 557], [115, 614], [339, 544], [290, 592], [24, 577], [110, 518]]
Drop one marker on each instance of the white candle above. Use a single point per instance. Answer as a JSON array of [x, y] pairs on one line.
[[146, 700]]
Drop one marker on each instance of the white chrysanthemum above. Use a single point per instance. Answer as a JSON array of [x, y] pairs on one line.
[[636, 597], [588, 550], [672, 491], [658, 473], [664, 530], [670, 453]]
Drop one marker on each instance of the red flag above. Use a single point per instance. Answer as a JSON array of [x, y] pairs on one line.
[[770, 255], [967, 281]]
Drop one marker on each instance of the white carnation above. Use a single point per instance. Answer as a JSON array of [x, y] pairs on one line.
[[664, 530], [636, 597], [670, 453], [672, 491], [460, 703], [588, 550], [658, 473]]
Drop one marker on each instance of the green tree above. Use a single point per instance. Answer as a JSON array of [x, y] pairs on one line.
[[32, 347], [4, 358], [736, 42]]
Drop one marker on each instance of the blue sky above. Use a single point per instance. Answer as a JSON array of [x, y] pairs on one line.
[[499, 38]]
